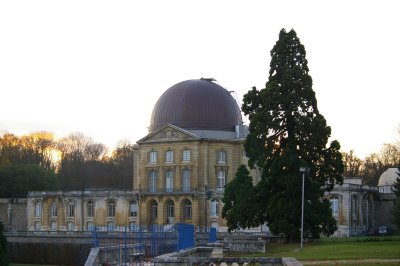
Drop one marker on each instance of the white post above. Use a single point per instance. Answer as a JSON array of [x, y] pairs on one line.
[[302, 212], [303, 170]]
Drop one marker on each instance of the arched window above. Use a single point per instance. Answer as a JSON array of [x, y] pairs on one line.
[[187, 209], [170, 211], [186, 155], [186, 180], [152, 181], [169, 181], [111, 208], [335, 205], [214, 212], [153, 211], [71, 209], [90, 208], [38, 209], [53, 211], [133, 208]]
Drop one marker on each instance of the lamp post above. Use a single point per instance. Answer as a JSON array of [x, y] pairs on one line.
[[302, 170]]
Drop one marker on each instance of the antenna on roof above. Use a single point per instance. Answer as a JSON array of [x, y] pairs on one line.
[[234, 94], [208, 79]]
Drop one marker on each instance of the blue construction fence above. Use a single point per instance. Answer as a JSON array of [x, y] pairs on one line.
[[141, 243]]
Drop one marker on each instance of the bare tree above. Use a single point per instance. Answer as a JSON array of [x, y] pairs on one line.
[[352, 164], [35, 148]]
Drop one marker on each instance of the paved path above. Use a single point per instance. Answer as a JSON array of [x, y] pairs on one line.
[[354, 262]]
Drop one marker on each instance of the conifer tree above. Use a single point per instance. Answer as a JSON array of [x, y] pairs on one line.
[[287, 132]]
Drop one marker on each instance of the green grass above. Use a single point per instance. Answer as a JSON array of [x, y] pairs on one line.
[[328, 249]]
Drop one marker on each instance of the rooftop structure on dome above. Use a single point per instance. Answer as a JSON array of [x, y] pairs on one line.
[[388, 178]]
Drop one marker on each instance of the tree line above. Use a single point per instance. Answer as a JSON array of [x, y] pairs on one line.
[[372, 167], [38, 161]]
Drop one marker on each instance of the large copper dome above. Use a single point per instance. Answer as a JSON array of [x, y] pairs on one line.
[[198, 104]]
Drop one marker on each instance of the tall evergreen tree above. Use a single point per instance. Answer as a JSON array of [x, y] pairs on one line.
[[287, 132]]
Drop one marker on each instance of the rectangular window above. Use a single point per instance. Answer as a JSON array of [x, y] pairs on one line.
[[169, 157], [70, 226], [71, 209], [37, 226], [188, 210], [214, 208], [110, 226], [111, 209], [221, 180], [186, 180], [335, 206], [169, 183], [153, 157], [132, 226], [221, 157], [38, 209], [153, 181], [90, 226], [90, 209], [186, 156], [53, 226], [133, 209], [54, 210]]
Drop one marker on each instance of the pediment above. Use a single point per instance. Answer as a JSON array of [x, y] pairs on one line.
[[169, 133]]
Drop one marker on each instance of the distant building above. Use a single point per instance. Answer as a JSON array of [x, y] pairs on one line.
[[361, 209]]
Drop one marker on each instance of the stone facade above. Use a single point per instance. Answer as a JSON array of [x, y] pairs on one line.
[[181, 176], [13, 213], [81, 210], [360, 209]]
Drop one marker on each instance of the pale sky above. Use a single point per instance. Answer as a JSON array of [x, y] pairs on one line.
[[98, 67]]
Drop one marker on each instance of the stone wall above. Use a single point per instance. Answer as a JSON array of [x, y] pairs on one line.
[[13, 213], [384, 215], [48, 250]]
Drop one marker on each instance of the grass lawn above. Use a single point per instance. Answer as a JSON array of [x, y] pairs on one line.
[[334, 249]]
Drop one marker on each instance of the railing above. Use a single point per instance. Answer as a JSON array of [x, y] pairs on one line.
[[176, 190], [119, 248]]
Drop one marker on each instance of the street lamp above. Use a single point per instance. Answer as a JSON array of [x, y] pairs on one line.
[[302, 170]]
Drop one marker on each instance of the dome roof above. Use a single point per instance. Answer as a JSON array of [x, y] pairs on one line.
[[388, 178], [196, 104]]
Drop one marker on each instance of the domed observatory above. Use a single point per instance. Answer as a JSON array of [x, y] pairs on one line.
[[200, 106], [193, 148]]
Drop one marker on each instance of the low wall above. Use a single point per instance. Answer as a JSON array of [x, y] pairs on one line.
[[48, 250], [202, 256], [250, 243]]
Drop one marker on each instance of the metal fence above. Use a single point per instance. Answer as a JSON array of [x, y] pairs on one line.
[[140, 244]]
